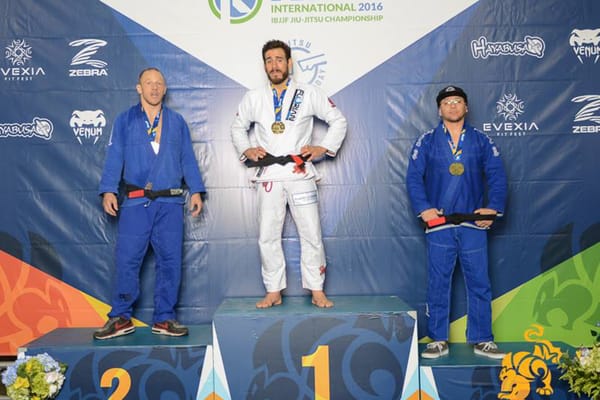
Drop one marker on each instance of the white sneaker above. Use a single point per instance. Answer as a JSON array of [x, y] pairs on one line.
[[436, 349], [489, 349]]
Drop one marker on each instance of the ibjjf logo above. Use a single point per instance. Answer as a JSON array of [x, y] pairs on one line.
[[40, 127], [236, 11], [509, 107], [590, 112], [19, 53], [585, 44], [87, 124], [530, 46], [94, 66], [309, 66]]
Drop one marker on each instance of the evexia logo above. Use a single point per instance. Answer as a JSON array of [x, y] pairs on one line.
[[19, 53], [83, 58], [585, 44], [588, 116], [87, 124], [510, 108], [236, 11]]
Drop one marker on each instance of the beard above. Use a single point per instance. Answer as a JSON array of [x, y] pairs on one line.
[[277, 81], [456, 118]]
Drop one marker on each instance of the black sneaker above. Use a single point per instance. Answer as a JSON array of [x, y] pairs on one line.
[[169, 328], [436, 349], [488, 349], [115, 326]]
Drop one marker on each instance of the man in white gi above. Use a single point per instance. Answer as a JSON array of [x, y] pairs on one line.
[[283, 113]]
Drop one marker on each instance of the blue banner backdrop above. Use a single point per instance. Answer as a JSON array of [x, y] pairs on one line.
[[531, 72]]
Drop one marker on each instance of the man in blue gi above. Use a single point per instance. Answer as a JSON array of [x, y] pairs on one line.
[[456, 169], [150, 151]]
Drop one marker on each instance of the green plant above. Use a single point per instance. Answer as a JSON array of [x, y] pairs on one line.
[[582, 371], [37, 377]]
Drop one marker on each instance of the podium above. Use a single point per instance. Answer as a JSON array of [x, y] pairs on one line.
[[362, 348], [520, 375], [140, 365]]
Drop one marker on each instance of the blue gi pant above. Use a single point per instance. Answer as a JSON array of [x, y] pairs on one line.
[[469, 246], [160, 225]]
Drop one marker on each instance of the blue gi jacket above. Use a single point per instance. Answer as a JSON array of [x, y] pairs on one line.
[[130, 156], [430, 184]]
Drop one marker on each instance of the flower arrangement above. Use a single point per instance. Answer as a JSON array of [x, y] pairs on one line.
[[582, 372], [36, 377]]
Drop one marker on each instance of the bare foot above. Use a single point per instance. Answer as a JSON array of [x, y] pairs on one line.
[[271, 299], [320, 300]]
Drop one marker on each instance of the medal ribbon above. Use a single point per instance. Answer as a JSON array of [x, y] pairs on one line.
[[278, 101], [456, 150], [151, 129]]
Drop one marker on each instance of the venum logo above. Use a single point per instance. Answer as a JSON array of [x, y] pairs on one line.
[[530, 46], [588, 113], [510, 107], [309, 66], [19, 53], [95, 67], [87, 125], [40, 127], [236, 11], [585, 44]]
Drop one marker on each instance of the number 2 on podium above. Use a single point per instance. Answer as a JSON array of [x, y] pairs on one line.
[[320, 361]]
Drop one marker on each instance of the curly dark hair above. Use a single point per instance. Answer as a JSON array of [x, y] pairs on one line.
[[277, 44]]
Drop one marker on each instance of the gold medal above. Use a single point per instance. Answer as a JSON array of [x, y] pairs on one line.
[[456, 168], [278, 127]]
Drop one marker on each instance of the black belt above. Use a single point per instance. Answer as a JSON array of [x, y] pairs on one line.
[[136, 192], [270, 159], [457, 219]]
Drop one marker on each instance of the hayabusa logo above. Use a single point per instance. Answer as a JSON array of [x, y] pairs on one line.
[[87, 124], [39, 127], [84, 58], [530, 46], [238, 11], [18, 52], [309, 66], [589, 112], [510, 107], [585, 44]]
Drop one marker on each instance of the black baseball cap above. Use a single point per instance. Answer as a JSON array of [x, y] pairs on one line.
[[451, 91]]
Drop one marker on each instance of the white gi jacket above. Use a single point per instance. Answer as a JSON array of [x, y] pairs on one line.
[[302, 102]]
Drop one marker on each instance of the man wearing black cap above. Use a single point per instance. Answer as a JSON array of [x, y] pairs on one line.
[[456, 169]]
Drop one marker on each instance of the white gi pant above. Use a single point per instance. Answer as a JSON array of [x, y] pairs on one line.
[[301, 196]]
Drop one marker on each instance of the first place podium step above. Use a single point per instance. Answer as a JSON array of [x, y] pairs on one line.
[[365, 347]]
